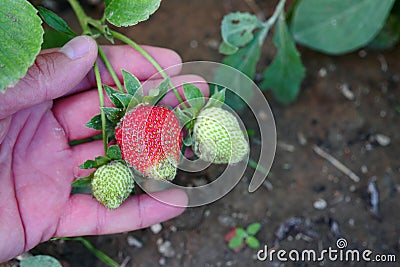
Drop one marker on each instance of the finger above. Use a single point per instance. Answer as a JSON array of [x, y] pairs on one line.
[[52, 75], [74, 111], [124, 57], [83, 152], [83, 215]]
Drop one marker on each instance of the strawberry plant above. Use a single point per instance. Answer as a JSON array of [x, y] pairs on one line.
[[142, 139], [333, 27]]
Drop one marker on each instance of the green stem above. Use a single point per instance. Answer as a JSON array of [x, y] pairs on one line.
[[271, 21], [252, 163], [110, 70], [101, 98], [128, 41], [81, 15]]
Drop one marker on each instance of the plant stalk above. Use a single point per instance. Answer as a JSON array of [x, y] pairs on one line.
[[101, 98], [81, 15], [272, 20], [128, 41], [110, 70], [253, 164]]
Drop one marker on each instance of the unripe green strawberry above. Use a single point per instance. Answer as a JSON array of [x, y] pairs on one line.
[[218, 137], [150, 140], [112, 183]]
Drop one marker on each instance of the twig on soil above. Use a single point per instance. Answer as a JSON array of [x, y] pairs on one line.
[[340, 166]]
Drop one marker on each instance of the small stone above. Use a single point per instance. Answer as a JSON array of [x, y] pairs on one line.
[[346, 92], [362, 53], [364, 169], [322, 72], [352, 188], [134, 242], [156, 228], [166, 249], [162, 261], [301, 139], [194, 44], [351, 222], [226, 220], [382, 139], [320, 204], [207, 213]]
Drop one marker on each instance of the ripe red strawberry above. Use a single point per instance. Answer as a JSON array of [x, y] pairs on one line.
[[150, 140]]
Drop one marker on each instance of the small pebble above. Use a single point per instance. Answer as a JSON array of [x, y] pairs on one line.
[[382, 139], [364, 169], [346, 92], [194, 44], [320, 204], [166, 249], [301, 139], [162, 261], [156, 228], [322, 72], [362, 53], [134, 242], [351, 222]]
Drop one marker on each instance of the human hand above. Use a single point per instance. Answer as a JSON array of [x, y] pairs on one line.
[[37, 165]]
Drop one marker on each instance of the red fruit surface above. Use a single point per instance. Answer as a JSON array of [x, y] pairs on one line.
[[148, 135]]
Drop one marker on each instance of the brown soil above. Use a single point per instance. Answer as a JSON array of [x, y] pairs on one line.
[[323, 115]]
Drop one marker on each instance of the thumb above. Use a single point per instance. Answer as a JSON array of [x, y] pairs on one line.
[[53, 74]]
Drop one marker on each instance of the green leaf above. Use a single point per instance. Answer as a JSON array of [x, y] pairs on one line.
[[89, 164], [183, 118], [156, 94], [252, 242], [240, 232], [98, 253], [132, 84], [101, 160], [286, 72], [129, 12], [245, 60], [237, 29], [124, 99], [337, 26], [216, 100], [40, 261], [111, 95], [114, 152], [188, 141], [113, 114], [235, 242], [53, 39], [253, 228], [84, 181], [193, 95], [21, 38], [54, 21], [389, 36], [94, 123], [97, 162], [227, 49]]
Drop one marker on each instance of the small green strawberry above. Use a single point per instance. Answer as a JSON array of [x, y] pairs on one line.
[[218, 137], [150, 140], [112, 183]]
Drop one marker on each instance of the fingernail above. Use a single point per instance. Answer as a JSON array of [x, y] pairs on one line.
[[77, 47]]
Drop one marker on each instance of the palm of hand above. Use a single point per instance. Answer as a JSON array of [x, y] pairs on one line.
[[39, 174]]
